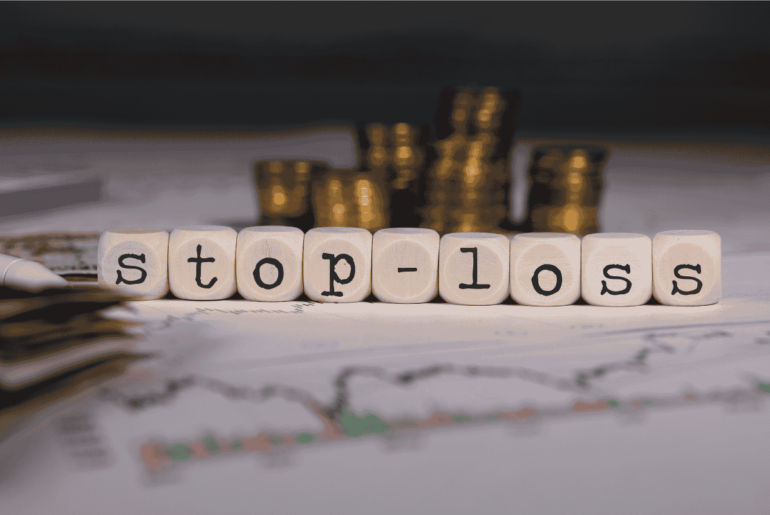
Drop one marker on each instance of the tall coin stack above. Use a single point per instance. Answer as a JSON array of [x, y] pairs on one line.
[[408, 158], [565, 186], [284, 192], [396, 156], [468, 187], [345, 198]]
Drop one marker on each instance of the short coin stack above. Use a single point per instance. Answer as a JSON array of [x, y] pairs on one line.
[[284, 192], [343, 198], [467, 187], [565, 185], [412, 265]]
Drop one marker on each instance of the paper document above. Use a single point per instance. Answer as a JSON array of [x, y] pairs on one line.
[[376, 408]]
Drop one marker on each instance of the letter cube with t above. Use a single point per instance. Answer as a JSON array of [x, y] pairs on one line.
[[545, 269], [134, 261], [268, 263], [687, 268], [405, 265], [338, 264], [617, 269], [474, 268], [201, 262]]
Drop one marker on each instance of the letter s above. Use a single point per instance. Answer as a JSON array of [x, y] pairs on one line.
[[120, 278], [689, 292]]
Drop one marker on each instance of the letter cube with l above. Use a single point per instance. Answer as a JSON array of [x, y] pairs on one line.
[[201, 262], [474, 268], [687, 268], [617, 269], [134, 261], [268, 263], [405, 265], [545, 269], [337, 264]]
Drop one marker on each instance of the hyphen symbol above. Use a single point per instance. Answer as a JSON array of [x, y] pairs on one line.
[[406, 270]]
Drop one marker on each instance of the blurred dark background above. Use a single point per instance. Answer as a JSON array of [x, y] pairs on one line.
[[581, 67]]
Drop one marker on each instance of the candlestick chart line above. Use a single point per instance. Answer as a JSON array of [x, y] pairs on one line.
[[340, 421]]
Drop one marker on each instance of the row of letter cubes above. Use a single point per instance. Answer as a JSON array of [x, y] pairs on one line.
[[680, 268]]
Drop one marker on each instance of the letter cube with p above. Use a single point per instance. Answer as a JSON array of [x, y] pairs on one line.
[[338, 264], [687, 268], [134, 261], [617, 269], [201, 262], [268, 263]]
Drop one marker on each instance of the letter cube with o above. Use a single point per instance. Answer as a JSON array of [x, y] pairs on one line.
[[134, 261], [687, 268], [201, 262], [617, 269], [337, 264], [405, 265], [474, 268], [268, 263], [545, 269]]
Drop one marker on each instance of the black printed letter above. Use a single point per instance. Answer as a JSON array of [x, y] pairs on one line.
[[474, 285], [140, 257], [691, 292], [536, 282], [198, 265], [626, 269], [333, 277], [278, 266]]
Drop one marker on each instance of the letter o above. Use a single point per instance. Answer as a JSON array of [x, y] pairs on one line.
[[536, 282], [268, 261]]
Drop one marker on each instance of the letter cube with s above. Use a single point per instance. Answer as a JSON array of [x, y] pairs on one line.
[[687, 268], [545, 269], [134, 261], [268, 263], [474, 268], [201, 262], [617, 269], [337, 264]]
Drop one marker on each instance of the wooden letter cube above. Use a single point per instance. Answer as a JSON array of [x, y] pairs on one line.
[[474, 268], [268, 263], [617, 269], [201, 262], [687, 268], [134, 261], [405, 265], [545, 269], [338, 264]]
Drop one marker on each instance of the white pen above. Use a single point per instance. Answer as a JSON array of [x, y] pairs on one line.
[[27, 275]]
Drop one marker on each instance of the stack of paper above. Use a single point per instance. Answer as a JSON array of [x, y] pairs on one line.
[[56, 343]]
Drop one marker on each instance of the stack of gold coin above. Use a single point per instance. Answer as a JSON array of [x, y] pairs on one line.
[[396, 155], [350, 199], [565, 186], [284, 191], [467, 187], [407, 161]]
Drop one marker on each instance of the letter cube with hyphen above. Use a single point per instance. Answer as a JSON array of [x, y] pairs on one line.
[[687, 268], [134, 262], [545, 269], [201, 262], [268, 263], [405, 265], [337, 264], [616, 269], [474, 268]]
